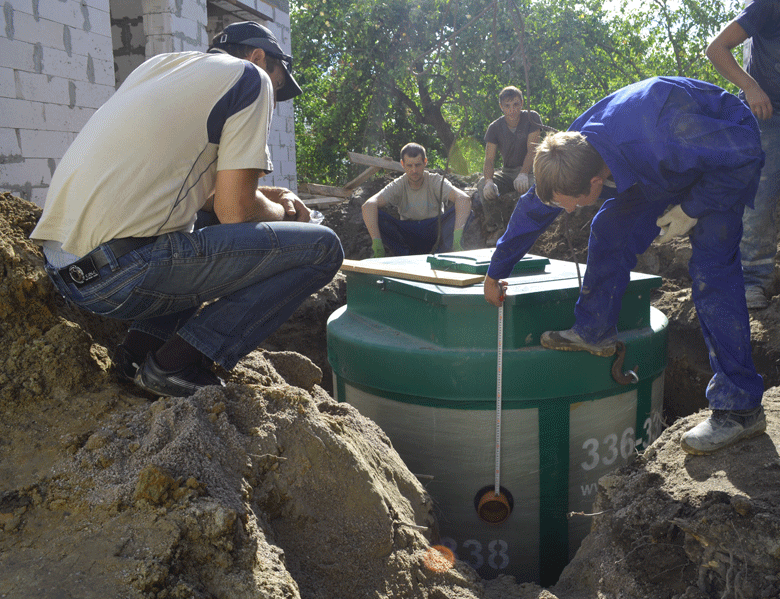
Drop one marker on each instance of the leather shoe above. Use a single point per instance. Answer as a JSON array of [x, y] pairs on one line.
[[174, 383]]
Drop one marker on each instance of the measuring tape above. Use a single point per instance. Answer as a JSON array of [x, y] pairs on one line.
[[500, 363]]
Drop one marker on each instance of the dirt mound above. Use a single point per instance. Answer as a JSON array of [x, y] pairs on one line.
[[677, 526], [41, 353], [255, 491], [269, 488]]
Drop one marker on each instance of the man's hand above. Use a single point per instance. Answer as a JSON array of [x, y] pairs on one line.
[[378, 247], [759, 102], [490, 190], [674, 223], [294, 208], [495, 291], [522, 183]]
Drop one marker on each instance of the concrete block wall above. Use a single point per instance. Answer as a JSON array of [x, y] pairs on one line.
[[60, 60], [129, 39], [56, 69], [174, 25]]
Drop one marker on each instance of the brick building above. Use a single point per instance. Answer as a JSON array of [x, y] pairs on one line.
[[60, 60]]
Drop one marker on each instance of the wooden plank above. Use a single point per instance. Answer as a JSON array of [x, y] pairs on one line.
[[327, 201], [325, 190], [362, 177], [441, 277], [385, 163]]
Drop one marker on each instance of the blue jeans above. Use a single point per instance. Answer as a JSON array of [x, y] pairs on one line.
[[759, 239], [411, 237], [258, 273]]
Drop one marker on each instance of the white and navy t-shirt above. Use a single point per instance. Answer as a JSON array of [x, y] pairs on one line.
[[147, 160]]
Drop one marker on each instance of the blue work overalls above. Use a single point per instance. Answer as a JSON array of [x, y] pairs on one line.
[[666, 140]]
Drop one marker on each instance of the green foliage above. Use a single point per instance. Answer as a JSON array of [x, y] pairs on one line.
[[380, 73]]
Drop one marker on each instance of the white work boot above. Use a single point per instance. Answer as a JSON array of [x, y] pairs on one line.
[[756, 298], [723, 428], [569, 340]]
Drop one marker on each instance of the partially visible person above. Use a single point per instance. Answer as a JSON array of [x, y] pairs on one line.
[[673, 156], [514, 136], [184, 137], [421, 197], [758, 28]]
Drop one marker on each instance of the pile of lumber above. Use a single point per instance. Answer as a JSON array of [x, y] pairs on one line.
[[314, 195]]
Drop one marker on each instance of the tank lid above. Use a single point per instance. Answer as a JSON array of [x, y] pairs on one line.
[[458, 316], [478, 262]]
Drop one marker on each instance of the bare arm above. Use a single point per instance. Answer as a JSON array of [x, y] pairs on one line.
[[371, 214], [531, 143], [490, 159], [237, 199], [462, 203], [719, 53]]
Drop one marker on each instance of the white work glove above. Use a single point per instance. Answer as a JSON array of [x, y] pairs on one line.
[[522, 183], [490, 190], [674, 223]]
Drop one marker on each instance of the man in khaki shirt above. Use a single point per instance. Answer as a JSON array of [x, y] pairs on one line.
[[420, 197]]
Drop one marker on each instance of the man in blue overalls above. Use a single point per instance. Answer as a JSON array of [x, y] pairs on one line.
[[670, 153]]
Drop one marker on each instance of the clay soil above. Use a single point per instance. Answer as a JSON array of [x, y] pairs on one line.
[[269, 488]]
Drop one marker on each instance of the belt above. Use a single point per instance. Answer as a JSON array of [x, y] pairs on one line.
[[87, 269]]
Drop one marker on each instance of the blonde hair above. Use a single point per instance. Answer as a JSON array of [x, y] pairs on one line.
[[565, 163]]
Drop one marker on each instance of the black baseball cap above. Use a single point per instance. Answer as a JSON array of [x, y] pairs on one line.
[[253, 34]]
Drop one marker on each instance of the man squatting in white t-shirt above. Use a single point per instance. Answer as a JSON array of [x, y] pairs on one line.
[[186, 136], [420, 197]]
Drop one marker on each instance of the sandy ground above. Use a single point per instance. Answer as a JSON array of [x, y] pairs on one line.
[[269, 488]]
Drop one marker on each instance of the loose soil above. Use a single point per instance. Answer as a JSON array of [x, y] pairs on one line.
[[269, 488]]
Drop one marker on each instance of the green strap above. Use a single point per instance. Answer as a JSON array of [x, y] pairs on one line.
[[553, 490]]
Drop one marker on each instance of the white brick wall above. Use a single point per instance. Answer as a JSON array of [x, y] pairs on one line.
[[7, 83], [57, 66], [172, 28], [17, 114], [127, 31], [31, 86], [42, 144]]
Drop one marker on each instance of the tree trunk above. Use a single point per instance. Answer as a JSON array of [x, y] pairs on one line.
[[432, 113]]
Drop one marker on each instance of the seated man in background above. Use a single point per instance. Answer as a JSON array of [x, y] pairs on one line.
[[673, 156], [514, 136], [118, 227], [420, 197]]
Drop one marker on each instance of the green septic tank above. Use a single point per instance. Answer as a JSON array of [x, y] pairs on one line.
[[420, 359]]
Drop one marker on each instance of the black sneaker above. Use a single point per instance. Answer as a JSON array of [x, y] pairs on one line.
[[174, 383], [126, 364]]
